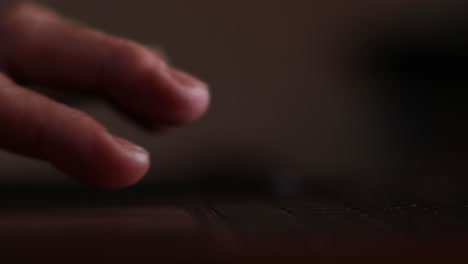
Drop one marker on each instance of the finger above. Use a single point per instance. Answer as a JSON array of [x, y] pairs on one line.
[[34, 125], [42, 48]]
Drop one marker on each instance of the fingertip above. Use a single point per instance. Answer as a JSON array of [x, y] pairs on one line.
[[151, 90], [91, 155], [184, 99], [188, 107], [123, 163], [194, 97]]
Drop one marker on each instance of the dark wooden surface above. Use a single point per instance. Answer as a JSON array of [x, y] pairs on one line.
[[220, 223]]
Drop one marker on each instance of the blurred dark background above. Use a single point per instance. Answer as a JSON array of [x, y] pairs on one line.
[[300, 89]]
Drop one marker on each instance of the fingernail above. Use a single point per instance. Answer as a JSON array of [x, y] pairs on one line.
[[185, 79], [135, 150]]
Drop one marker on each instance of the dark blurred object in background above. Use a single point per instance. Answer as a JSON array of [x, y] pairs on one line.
[[429, 98]]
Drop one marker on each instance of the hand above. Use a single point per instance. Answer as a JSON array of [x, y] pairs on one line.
[[38, 48]]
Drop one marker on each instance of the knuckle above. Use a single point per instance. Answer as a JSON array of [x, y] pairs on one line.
[[79, 118], [135, 54], [126, 58]]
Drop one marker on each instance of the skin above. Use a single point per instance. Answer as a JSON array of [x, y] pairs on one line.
[[38, 48]]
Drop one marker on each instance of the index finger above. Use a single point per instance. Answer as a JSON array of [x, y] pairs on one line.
[[40, 47]]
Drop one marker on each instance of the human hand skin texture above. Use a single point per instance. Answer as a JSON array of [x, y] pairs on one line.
[[39, 48]]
